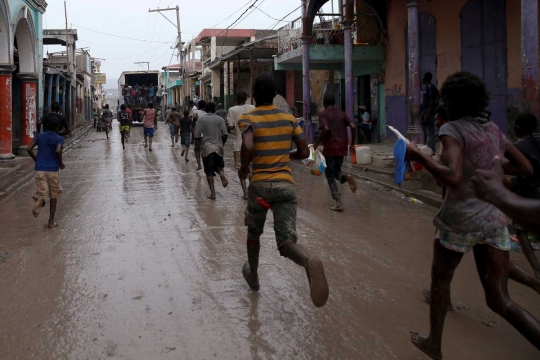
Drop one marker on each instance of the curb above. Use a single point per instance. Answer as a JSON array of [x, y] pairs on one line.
[[22, 177], [425, 199]]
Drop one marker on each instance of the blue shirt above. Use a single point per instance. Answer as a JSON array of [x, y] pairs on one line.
[[152, 90], [46, 156]]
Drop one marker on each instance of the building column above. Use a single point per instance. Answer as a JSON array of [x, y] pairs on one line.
[[49, 95], [70, 106], [251, 72], [57, 87], [308, 127], [529, 57], [414, 132], [6, 79], [64, 98], [29, 106], [349, 72], [228, 83]]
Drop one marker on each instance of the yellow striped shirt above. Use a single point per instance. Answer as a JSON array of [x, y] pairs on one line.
[[274, 131]]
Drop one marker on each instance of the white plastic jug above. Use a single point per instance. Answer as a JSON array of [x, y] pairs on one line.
[[363, 155]]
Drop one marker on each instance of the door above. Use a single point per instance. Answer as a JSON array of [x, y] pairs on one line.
[[483, 51]]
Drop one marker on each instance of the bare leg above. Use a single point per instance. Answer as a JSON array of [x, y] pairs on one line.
[[107, 131], [521, 276], [187, 151], [528, 251], [150, 146], [318, 285], [244, 189], [212, 188], [145, 141], [122, 137], [253, 249], [198, 158], [224, 180], [52, 205], [444, 264], [493, 268]]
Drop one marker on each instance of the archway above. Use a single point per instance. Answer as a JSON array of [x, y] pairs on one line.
[[5, 34], [24, 94], [483, 51]]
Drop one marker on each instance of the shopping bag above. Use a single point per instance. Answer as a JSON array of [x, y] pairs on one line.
[[318, 166], [312, 156]]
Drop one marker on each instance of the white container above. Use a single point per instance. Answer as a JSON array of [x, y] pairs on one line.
[[363, 155]]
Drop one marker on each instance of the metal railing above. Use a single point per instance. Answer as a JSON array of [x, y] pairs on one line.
[[366, 30]]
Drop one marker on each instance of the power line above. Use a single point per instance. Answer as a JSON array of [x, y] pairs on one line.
[[270, 16], [127, 57], [118, 36], [230, 16], [235, 21]]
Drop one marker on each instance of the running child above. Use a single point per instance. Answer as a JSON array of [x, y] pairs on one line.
[[48, 164]]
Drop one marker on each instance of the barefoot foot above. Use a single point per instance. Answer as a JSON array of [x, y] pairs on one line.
[[212, 196], [352, 183], [52, 225], [37, 207], [421, 342]]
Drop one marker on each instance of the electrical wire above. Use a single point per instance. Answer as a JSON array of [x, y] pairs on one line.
[[230, 16], [118, 36], [159, 47]]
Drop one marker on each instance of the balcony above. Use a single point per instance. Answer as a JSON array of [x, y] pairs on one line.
[[326, 46]]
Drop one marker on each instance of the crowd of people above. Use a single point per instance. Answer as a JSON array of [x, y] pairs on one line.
[[142, 95], [471, 164]]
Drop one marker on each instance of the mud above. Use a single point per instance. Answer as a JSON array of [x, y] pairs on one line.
[[143, 266]]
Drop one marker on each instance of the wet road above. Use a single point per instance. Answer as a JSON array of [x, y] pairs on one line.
[[143, 266]]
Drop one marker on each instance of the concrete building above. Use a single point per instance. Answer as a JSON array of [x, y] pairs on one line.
[[342, 53], [21, 95], [59, 72], [496, 40]]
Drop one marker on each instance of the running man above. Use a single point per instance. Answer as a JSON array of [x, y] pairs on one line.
[[106, 120], [48, 165], [130, 112], [213, 127], [63, 129], [464, 222], [232, 116], [173, 119], [123, 119], [267, 136], [185, 133], [149, 120], [197, 114], [335, 140]]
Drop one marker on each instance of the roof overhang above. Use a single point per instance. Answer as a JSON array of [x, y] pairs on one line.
[[225, 37]]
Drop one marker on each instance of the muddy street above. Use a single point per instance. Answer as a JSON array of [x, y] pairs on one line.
[[144, 266]]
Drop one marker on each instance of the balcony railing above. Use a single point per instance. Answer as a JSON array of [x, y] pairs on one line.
[[366, 30], [289, 36]]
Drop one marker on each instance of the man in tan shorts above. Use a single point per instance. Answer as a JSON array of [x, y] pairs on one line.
[[48, 164], [234, 113]]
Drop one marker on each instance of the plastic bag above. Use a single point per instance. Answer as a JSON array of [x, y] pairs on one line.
[[312, 156], [318, 166]]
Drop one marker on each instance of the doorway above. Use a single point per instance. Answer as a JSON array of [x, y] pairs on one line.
[[483, 51]]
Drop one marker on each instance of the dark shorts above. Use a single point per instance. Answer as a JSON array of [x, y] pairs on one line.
[[282, 197], [149, 132], [198, 144], [185, 139], [173, 129], [213, 164]]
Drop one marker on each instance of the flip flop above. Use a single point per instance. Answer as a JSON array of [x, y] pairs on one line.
[[246, 271], [318, 286], [400, 148]]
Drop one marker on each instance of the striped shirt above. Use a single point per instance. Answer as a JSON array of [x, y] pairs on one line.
[[274, 131]]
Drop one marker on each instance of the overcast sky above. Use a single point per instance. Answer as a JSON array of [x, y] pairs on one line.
[[135, 22]]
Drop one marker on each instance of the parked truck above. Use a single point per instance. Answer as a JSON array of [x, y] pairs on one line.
[[138, 78]]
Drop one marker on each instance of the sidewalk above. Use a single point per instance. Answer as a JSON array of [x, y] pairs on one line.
[[15, 172], [381, 172]]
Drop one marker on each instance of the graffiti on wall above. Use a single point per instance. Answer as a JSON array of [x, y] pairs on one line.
[[396, 90], [30, 116]]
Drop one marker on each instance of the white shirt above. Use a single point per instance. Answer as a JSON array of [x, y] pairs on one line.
[[365, 119], [232, 117]]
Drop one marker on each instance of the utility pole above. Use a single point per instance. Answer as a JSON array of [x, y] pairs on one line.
[[143, 62], [179, 44]]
